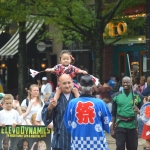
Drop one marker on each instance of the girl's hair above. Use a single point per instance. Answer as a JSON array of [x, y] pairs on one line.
[[69, 53], [33, 117], [29, 94], [148, 81], [43, 143]]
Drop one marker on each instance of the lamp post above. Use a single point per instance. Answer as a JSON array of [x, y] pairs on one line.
[[148, 36]]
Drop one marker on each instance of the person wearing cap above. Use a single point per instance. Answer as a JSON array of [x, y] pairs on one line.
[[86, 118], [54, 110], [45, 88]]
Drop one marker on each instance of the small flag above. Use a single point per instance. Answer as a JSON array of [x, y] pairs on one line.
[[33, 73], [96, 80]]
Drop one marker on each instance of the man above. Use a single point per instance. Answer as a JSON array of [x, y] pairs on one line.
[[6, 144], [86, 118], [45, 88], [55, 112], [112, 83], [124, 116]]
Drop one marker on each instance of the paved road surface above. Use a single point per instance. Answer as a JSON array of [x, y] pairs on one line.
[[112, 145]]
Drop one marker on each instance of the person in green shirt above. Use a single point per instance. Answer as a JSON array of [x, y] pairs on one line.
[[125, 107]]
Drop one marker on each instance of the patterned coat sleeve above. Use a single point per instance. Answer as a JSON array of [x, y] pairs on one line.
[[66, 118]]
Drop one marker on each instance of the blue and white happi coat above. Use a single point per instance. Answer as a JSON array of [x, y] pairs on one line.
[[86, 118]]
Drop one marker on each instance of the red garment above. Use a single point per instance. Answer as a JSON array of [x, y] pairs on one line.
[[146, 132], [71, 70], [105, 93]]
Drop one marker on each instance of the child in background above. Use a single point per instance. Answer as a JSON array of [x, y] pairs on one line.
[[38, 120], [65, 67], [146, 128], [23, 111], [9, 116]]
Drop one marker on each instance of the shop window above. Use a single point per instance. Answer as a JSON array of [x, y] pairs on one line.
[[134, 64]]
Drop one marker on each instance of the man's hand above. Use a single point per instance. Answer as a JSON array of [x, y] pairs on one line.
[[52, 104], [112, 131], [136, 109]]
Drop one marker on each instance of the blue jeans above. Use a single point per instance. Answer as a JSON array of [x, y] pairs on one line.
[[140, 125]]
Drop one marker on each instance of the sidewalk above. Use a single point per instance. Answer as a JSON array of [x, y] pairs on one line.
[[112, 144]]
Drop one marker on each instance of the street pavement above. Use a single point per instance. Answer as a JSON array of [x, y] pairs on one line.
[[112, 144]]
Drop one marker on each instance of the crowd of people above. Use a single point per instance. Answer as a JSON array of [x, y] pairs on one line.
[[79, 112]]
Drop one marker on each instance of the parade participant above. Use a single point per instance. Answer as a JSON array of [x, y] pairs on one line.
[[66, 60], [86, 118], [144, 113], [124, 111], [9, 116], [37, 104], [54, 111]]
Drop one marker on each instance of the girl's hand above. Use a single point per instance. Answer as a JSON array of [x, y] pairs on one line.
[[48, 70], [84, 72]]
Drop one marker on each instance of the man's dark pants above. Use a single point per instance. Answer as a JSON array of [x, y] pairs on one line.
[[126, 136]]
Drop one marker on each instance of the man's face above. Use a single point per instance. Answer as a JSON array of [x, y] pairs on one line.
[[25, 145], [44, 81], [65, 83], [8, 103], [6, 145], [126, 84]]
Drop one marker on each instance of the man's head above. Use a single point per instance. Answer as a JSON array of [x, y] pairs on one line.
[[65, 83], [44, 80], [6, 143], [86, 84], [126, 83]]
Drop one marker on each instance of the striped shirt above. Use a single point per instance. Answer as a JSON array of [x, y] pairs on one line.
[[61, 138]]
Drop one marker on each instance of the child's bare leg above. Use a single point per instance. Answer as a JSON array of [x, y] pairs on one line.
[[57, 94], [148, 144], [75, 92]]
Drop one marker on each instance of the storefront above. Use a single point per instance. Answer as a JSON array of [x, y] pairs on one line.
[[137, 57]]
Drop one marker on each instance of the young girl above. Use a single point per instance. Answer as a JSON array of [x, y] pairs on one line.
[[146, 128], [65, 67]]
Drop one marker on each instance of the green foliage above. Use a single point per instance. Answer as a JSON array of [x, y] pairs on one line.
[[73, 19]]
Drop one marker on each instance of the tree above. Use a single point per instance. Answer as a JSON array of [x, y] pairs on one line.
[[87, 20], [74, 19], [16, 11]]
